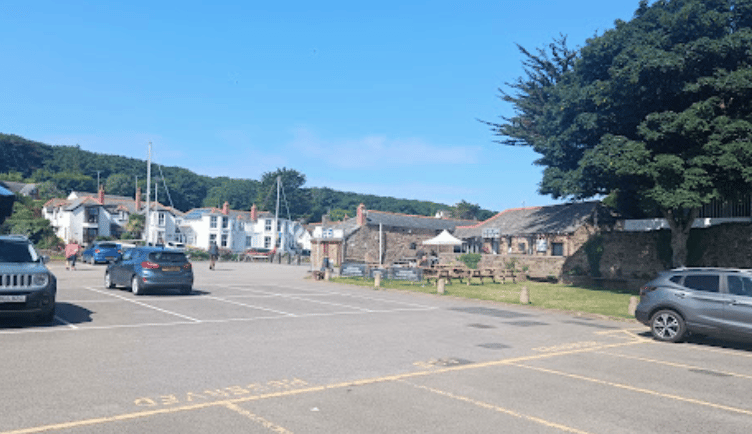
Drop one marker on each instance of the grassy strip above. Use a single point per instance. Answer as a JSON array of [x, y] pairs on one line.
[[546, 295]]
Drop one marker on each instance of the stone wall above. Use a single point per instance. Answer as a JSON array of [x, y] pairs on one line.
[[396, 243]]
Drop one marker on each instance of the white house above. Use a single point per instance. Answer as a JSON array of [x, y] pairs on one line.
[[85, 216], [240, 230]]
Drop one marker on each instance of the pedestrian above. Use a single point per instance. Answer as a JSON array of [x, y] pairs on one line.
[[71, 252], [213, 254]]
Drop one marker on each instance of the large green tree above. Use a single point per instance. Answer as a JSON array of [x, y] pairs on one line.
[[293, 198], [656, 112]]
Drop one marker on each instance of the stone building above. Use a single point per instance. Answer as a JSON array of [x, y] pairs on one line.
[[376, 237], [541, 238]]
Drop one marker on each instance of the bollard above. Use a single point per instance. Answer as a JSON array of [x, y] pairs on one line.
[[524, 296], [440, 286], [377, 280], [297, 259], [632, 305], [327, 275]]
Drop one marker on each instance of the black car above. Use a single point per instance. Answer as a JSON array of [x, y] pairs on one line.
[[27, 287], [150, 267]]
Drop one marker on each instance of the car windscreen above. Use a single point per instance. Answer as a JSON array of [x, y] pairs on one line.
[[17, 251], [107, 245], [167, 257]]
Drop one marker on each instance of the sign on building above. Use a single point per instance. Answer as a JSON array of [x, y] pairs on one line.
[[491, 233]]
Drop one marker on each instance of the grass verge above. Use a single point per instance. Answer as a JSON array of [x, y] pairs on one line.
[[610, 303]]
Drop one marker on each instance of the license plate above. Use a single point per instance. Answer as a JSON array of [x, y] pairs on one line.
[[170, 268], [12, 299], [110, 258]]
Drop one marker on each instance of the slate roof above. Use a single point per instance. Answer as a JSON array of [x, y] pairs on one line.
[[198, 213], [553, 219], [111, 203], [413, 221], [20, 187]]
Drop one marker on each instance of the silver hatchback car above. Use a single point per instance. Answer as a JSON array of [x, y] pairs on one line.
[[707, 301]]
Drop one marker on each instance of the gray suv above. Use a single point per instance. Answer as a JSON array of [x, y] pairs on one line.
[[27, 287], [713, 301]]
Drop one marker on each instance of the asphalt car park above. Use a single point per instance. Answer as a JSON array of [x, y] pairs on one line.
[[259, 348]]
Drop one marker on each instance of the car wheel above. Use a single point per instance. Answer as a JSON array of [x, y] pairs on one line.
[[667, 326], [108, 281], [186, 290], [136, 288]]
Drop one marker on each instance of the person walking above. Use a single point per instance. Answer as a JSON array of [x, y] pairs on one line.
[[71, 252], [213, 254]]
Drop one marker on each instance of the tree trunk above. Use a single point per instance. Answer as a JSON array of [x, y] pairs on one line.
[[680, 221]]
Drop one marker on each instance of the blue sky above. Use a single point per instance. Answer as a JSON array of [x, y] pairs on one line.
[[372, 97]]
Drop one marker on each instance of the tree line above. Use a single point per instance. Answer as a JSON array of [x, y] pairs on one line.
[[61, 169]]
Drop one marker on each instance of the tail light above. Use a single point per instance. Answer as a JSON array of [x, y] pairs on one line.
[[96, 250], [150, 265], [187, 266]]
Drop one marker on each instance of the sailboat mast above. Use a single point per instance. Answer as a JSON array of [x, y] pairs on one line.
[[276, 215], [147, 225]]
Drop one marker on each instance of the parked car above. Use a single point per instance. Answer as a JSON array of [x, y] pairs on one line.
[[102, 251], [145, 268], [712, 301], [27, 287]]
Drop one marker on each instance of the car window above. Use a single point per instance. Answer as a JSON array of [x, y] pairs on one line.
[[740, 285], [108, 245], [702, 282], [676, 279], [167, 256], [16, 251]]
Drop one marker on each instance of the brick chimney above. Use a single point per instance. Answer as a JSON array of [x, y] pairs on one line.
[[101, 194], [226, 208], [138, 199], [254, 213], [361, 215]]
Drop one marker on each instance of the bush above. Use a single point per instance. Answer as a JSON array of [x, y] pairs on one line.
[[470, 259]]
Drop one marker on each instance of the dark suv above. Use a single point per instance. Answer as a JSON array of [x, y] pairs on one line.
[[713, 301], [27, 287]]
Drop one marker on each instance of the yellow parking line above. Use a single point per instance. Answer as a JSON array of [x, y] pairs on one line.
[[637, 389], [499, 409], [142, 414], [258, 419], [675, 365]]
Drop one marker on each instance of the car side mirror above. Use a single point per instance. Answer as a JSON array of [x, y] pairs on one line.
[[45, 259]]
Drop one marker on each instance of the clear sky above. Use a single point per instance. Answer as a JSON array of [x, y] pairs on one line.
[[372, 97]]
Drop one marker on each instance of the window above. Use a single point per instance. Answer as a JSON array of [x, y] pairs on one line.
[[248, 240], [224, 240], [541, 245], [241, 226], [213, 221], [268, 225], [225, 221], [161, 219], [212, 238], [92, 215], [740, 285], [702, 282], [267, 242], [557, 249], [522, 248]]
